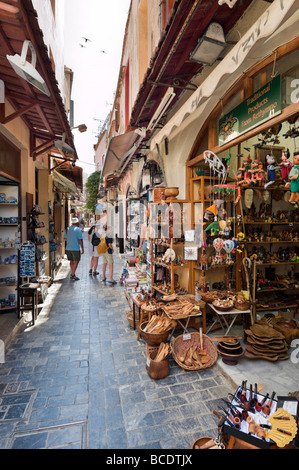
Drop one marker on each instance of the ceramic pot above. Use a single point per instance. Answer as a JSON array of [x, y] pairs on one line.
[[171, 194]]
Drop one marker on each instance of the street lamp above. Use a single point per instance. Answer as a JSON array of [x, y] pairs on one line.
[[27, 70], [82, 128], [210, 46]]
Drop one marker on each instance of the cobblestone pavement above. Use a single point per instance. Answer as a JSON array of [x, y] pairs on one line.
[[77, 380]]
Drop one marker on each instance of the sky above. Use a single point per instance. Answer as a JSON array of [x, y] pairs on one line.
[[95, 73]]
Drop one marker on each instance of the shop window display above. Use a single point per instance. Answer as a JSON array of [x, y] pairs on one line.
[[9, 244]]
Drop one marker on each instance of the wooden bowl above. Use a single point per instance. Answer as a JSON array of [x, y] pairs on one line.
[[230, 358], [171, 194], [200, 442], [234, 351], [224, 309]]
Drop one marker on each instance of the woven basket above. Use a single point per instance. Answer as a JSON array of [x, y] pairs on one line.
[[242, 306], [179, 345], [130, 318], [153, 339]]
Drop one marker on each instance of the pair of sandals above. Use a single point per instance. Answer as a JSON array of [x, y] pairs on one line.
[[74, 277], [112, 283], [95, 273]]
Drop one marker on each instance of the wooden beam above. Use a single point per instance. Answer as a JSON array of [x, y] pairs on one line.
[[39, 147], [26, 99], [65, 160], [55, 167], [44, 150], [2, 111], [18, 113], [33, 38]]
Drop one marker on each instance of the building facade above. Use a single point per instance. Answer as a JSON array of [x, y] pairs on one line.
[[37, 149]]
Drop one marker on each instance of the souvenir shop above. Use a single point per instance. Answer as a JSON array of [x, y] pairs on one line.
[[226, 258], [10, 210]]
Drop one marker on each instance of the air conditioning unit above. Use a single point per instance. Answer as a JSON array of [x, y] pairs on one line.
[[26, 70]]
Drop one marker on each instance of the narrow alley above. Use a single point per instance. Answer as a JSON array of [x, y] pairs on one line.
[[77, 379]]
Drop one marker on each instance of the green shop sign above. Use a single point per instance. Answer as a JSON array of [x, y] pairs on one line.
[[263, 105]]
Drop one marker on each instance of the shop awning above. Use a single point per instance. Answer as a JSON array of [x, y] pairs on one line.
[[74, 174], [259, 42], [44, 114], [121, 148], [64, 184]]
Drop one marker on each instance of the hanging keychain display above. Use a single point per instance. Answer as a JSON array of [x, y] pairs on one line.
[[27, 260]]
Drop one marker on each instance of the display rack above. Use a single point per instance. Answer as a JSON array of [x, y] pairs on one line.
[[172, 275], [10, 238], [271, 230], [201, 192], [33, 226]]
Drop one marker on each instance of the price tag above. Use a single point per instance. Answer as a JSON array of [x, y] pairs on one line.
[[148, 361], [186, 336]]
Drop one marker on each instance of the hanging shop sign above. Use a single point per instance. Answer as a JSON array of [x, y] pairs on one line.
[[261, 106]]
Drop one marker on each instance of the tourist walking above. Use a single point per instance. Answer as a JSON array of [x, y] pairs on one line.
[[74, 246], [93, 242], [106, 249]]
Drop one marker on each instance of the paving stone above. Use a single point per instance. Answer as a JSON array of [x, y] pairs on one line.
[[85, 365], [70, 435], [31, 441]]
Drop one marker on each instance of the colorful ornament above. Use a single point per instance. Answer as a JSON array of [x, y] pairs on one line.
[[228, 246]]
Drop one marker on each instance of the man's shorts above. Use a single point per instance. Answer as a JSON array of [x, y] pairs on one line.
[[73, 255], [107, 258]]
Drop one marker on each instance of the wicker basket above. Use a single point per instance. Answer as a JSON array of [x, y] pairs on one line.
[[130, 318], [153, 339], [179, 345], [242, 306], [210, 296]]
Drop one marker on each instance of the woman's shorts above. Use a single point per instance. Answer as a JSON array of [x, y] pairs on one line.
[[73, 255]]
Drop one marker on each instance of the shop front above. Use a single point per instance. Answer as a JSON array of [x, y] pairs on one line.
[[10, 224], [220, 278]]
